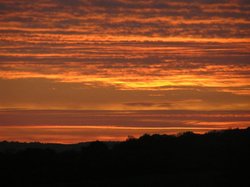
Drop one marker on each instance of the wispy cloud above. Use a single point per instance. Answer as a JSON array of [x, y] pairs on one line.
[[124, 46], [76, 126]]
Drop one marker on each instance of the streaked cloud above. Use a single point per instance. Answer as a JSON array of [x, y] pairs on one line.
[[124, 54], [75, 126]]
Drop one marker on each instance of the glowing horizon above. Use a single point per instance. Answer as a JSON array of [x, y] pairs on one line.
[[61, 126]]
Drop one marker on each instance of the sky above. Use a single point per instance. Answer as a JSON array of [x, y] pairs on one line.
[[121, 56]]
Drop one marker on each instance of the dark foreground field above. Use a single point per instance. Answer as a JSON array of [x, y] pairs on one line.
[[220, 158]]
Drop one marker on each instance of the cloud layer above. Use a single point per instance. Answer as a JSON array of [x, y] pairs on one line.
[[124, 54], [75, 126]]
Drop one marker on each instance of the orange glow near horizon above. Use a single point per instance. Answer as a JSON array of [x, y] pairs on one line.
[[75, 134], [57, 126]]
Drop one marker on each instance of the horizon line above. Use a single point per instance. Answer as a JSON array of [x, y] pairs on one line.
[[83, 142], [196, 110]]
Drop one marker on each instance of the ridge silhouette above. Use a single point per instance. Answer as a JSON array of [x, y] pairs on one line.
[[217, 158]]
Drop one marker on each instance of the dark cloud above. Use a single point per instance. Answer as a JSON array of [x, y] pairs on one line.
[[149, 104], [145, 104]]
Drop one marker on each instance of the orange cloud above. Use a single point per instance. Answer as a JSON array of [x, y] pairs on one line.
[[165, 47]]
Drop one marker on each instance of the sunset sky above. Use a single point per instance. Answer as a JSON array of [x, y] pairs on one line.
[[80, 70]]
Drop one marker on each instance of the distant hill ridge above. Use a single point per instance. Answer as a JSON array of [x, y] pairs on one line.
[[217, 158], [14, 146]]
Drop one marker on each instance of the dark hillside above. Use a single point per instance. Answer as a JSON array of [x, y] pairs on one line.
[[218, 158]]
